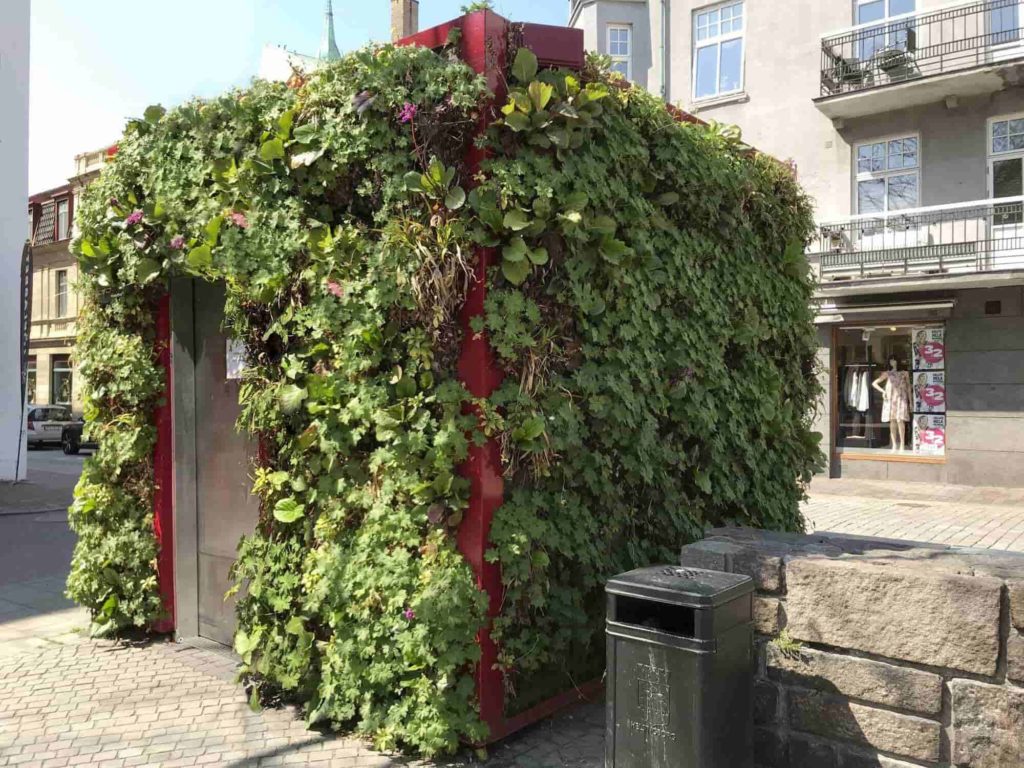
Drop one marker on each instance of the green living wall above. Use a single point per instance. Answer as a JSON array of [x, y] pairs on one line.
[[650, 313]]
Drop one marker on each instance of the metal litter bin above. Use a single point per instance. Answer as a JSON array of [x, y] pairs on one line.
[[680, 669]]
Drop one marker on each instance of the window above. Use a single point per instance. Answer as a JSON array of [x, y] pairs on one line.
[[1004, 23], [60, 380], [620, 48], [62, 219], [889, 36], [30, 380], [1006, 166], [61, 288], [890, 389], [718, 51], [887, 175]]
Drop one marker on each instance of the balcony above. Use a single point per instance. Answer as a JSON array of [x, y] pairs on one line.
[[56, 329], [921, 58], [979, 238]]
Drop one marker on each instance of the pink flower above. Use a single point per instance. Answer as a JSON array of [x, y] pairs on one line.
[[336, 289], [409, 614], [239, 220], [407, 112], [133, 218], [177, 243]]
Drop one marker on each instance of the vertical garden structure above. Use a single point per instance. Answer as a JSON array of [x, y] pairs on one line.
[[478, 251]]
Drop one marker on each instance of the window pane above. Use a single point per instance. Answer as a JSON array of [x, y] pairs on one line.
[[903, 192], [874, 11], [621, 67], [732, 66], [896, 7], [1001, 128], [1007, 178], [871, 196], [1016, 126], [707, 71]]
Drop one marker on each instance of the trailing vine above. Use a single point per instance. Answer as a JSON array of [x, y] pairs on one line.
[[649, 310]]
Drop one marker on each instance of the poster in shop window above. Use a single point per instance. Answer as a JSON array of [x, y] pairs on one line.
[[929, 392], [929, 349], [929, 433]]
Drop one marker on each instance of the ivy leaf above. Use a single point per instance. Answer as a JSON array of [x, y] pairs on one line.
[[304, 133], [540, 94], [455, 199], [406, 386], [524, 68], [288, 511], [200, 257], [539, 256], [668, 198], [516, 220], [515, 271], [271, 150], [146, 270], [213, 227], [603, 225], [414, 181], [516, 251], [284, 124], [154, 113], [613, 249], [577, 201], [292, 397]]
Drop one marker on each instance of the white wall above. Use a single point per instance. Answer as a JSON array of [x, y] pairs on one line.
[[14, 46]]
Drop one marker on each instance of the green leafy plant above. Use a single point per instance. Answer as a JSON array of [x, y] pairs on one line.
[[648, 305]]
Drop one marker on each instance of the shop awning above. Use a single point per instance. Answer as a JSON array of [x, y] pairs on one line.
[[831, 313]]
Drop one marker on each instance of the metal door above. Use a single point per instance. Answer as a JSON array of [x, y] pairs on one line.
[[225, 509]]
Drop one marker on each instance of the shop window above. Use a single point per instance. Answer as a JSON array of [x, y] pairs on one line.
[[60, 380], [30, 380], [890, 390]]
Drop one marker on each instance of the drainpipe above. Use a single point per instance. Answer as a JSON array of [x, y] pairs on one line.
[[664, 50]]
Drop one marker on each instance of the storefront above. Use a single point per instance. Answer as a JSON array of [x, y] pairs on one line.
[[925, 388]]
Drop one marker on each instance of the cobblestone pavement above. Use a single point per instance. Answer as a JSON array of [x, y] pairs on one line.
[[989, 518], [165, 704]]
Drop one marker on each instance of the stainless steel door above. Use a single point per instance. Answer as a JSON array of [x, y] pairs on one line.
[[225, 509]]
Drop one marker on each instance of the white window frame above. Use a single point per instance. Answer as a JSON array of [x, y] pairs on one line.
[[992, 157], [61, 293], [888, 18], [885, 173], [618, 58], [63, 228], [717, 41]]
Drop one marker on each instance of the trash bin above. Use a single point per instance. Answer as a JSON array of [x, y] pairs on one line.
[[680, 669]]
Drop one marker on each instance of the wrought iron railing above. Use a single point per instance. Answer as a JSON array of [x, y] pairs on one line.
[[978, 236], [922, 44]]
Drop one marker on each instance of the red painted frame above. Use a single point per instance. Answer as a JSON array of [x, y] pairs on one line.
[[163, 471]]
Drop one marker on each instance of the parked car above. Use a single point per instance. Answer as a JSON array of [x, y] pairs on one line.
[[46, 423], [71, 438]]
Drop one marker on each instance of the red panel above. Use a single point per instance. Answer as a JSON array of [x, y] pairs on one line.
[[163, 512], [555, 46]]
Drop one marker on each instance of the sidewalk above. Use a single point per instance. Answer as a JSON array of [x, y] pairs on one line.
[[956, 515]]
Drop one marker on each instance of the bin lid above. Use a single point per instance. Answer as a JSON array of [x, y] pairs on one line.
[[673, 584]]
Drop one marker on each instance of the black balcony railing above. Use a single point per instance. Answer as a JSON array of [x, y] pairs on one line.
[[921, 45], [981, 236]]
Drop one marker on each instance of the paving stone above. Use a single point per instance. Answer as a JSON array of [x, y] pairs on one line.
[[864, 679], [832, 717], [916, 613], [988, 725]]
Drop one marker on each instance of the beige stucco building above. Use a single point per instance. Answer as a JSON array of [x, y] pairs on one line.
[[905, 121], [55, 302]]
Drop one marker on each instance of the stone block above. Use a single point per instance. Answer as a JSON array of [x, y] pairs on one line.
[[898, 607], [858, 759], [871, 681], [765, 570], [808, 753], [833, 717], [717, 554], [766, 615], [770, 749], [766, 703], [1016, 589], [1015, 657], [709, 555], [988, 725]]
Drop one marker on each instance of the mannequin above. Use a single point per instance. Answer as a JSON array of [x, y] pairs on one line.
[[895, 402]]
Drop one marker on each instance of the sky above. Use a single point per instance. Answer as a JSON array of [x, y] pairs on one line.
[[96, 63]]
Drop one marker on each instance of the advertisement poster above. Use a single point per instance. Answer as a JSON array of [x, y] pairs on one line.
[[929, 392], [929, 433], [234, 359], [929, 349]]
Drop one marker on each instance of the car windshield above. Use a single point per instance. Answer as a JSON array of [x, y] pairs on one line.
[[54, 414]]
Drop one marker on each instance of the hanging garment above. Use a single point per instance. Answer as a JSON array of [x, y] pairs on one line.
[[863, 393], [896, 406]]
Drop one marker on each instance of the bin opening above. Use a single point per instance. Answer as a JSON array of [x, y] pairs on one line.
[[674, 619]]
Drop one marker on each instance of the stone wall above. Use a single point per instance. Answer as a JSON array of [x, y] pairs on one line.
[[901, 654]]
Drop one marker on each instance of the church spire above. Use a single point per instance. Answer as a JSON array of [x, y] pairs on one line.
[[328, 48]]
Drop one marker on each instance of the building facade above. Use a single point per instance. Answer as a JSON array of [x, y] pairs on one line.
[[905, 120], [55, 303]]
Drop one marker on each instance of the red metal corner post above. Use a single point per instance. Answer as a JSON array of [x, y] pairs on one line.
[[163, 474]]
